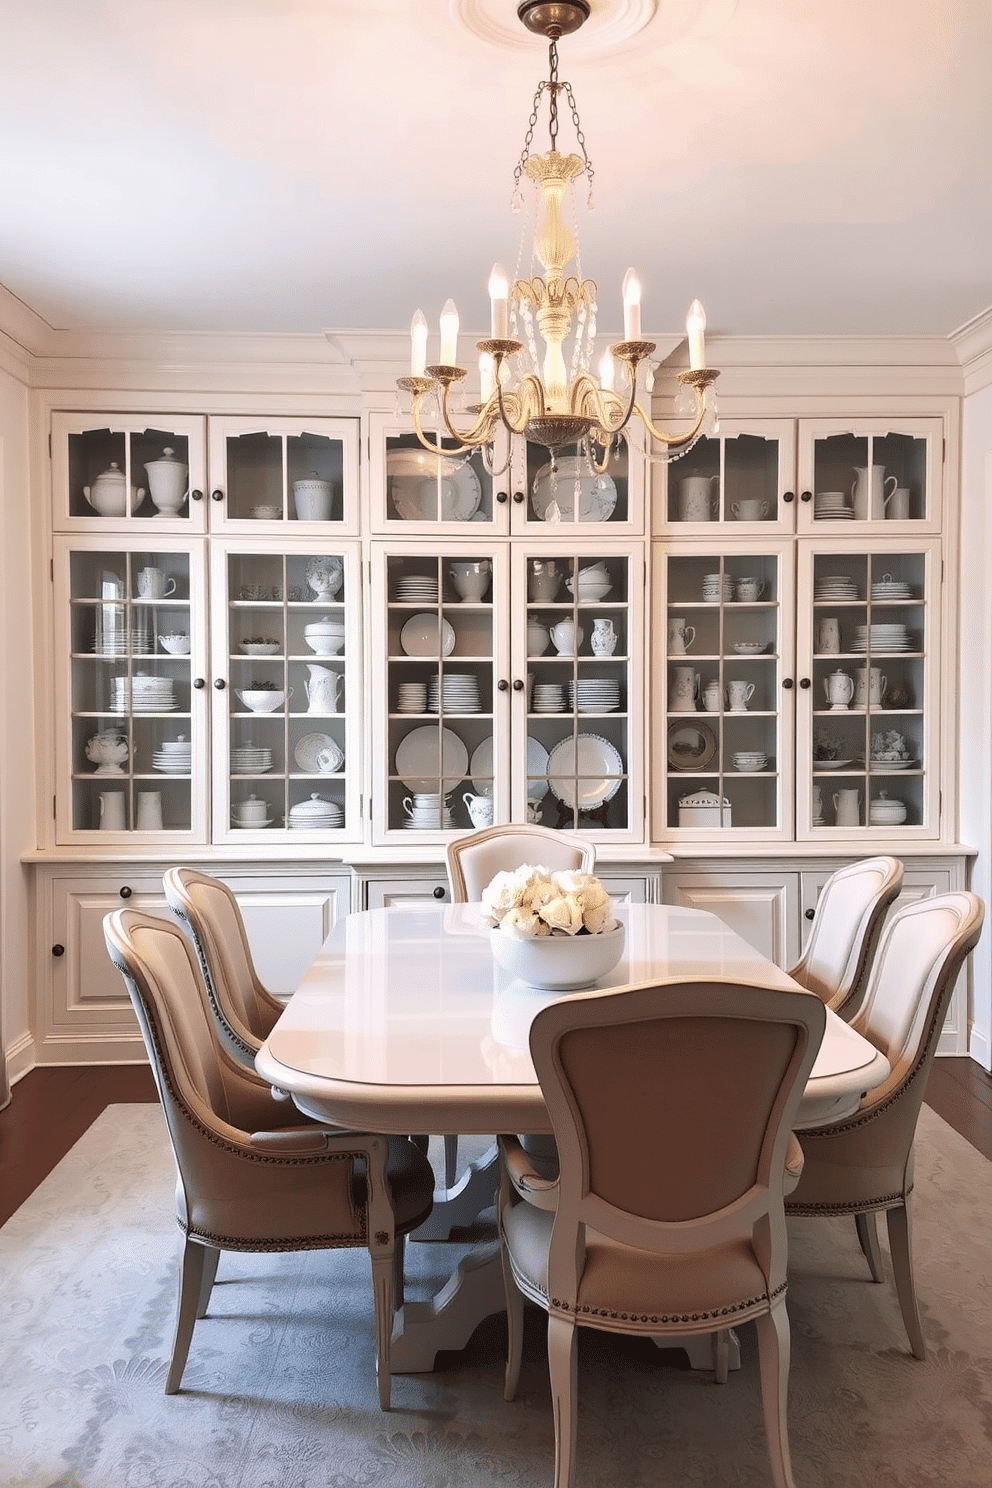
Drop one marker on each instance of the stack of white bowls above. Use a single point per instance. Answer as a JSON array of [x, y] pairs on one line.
[[315, 815], [324, 636], [749, 760], [591, 585], [716, 588], [426, 810]]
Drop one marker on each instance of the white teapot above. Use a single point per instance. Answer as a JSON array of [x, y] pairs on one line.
[[567, 637]]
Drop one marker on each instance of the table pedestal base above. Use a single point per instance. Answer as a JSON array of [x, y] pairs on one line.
[[457, 1207]]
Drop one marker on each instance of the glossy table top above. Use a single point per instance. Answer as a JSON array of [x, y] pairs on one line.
[[405, 1023]]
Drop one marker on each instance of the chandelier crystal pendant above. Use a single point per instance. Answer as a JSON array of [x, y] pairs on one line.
[[544, 404]]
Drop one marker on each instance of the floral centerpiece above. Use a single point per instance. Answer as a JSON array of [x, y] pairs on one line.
[[554, 930]]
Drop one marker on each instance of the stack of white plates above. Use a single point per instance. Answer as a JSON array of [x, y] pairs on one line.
[[112, 638], [548, 697], [142, 694], [248, 759], [835, 586], [417, 589], [412, 697], [457, 693], [880, 637], [890, 588], [714, 588], [175, 757], [832, 505], [594, 694], [315, 815], [749, 760]]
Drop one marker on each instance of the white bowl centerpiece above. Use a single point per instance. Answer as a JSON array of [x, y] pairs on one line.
[[552, 930]]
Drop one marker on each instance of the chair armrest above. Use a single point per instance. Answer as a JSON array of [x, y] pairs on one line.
[[518, 1166], [293, 1139]]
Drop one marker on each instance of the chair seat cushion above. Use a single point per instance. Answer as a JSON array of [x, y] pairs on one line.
[[641, 1290]]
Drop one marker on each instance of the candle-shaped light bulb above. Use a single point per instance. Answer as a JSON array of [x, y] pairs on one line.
[[499, 302], [695, 325], [449, 335], [606, 372], [487, 376], [631, 306], [418, 345]]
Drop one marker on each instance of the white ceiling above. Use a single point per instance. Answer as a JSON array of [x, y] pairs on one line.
[[803, 166]]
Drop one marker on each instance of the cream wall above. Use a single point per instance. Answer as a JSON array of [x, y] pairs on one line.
[[17, 754], [975, 611]]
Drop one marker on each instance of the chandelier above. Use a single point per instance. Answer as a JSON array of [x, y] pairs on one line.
[[545, 403]]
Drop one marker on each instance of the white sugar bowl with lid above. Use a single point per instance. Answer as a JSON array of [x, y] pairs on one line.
[[108, 493], [703, 809], [886, 811]]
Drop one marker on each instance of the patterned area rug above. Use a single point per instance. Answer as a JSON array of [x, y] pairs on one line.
[[279, 1390]]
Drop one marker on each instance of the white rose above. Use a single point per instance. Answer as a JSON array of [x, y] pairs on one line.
[[563, 915], [501, 895], [571, 881], [520, 924], [599, 918]]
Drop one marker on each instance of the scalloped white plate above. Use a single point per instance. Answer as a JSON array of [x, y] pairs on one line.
[[585, 771]]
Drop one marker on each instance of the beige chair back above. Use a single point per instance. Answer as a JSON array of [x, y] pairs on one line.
[[475, 859], [842, 942], [244, 1009]]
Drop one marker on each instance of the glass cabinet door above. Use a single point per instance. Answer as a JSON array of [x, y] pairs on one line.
[[126, 469], [721, 678], [280, 470], [581, 663], [132, 729], [862, 471], [287, 703], [568, 493], [867, 738], [744, 476], [441, 686], [412, 490]]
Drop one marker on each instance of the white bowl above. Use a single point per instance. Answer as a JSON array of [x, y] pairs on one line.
[[259, 648], [262, 700], [176, 645], [325, 643], [561, 963]]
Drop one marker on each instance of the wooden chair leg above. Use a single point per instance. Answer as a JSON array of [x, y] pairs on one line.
[[868, 1237], [450, 1161], [774, 1346], [721, 1355], [900, 1226], [210, 1259], [514, 1329], [562, 1365], [193, 1263]]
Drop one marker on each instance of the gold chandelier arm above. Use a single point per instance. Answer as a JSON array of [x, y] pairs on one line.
[[465, 445], [699, 380], [516, 409], [606, 408]]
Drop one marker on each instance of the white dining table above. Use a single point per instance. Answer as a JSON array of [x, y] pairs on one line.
[[404, 1023]]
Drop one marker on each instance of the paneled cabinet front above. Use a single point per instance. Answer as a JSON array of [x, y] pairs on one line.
[[508, 686]]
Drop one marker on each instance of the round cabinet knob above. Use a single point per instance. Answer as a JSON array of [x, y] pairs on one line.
[[58, 950], [216, 495], [805, 683], [787, 683], [125, 892], [196, 495], [502, 497], [219, 683], [440, 891], [806, 496], [519, 497], [788, 497], [518, 685], [199, 682], [502, 684], [811, 914]]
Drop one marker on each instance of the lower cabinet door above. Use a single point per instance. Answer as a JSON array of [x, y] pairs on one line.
[[763, 908], [382, 893]]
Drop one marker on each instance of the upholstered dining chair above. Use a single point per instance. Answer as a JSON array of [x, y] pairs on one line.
[[473, 862], [250, 1177], [843, 938], [863, 1165], [642, 1234], [475, 858], [244, 1010]]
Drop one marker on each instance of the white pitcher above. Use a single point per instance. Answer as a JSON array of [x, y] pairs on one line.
[[847, 808], [112, 817], [480, 809], [869, 494], [839, 688], [604, 637], [323, 688], [149, 816], [870, 687], [683, 690], [567, 637], [697, 497]]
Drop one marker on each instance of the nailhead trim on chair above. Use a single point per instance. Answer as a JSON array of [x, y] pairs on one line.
[[346, 1240], [232, 1034], [863, 1206], [708, 1315]]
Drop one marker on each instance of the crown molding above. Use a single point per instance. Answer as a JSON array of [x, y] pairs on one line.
[[973, 345]]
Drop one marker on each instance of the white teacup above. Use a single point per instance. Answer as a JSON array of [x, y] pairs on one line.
[[749, 510], [749, 589]]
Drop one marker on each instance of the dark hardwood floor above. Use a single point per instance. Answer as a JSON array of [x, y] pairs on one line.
[[51, 1108]]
